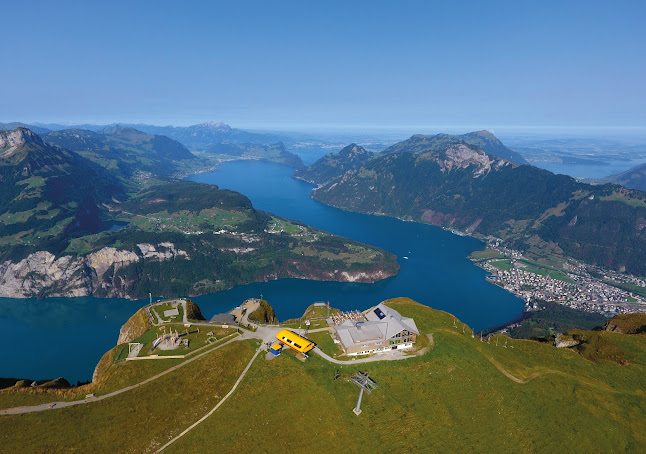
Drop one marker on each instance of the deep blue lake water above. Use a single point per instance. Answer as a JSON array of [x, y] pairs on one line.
[[611, 167], [436, 272], [67, 336]]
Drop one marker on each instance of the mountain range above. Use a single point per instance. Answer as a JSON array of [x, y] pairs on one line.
[[448, 181], [196, 137], [72, 225], [47, 193], [125, 150], [118, 146], [275, 152]]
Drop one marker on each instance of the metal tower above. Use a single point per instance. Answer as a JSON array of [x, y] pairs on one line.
[[365, 384]]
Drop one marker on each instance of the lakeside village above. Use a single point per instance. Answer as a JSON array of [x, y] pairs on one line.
[[577, 285]]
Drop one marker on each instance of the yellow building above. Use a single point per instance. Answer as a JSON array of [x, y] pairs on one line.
[[293, 340]]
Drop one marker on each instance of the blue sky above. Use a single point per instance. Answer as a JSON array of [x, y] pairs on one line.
[[305, 65]]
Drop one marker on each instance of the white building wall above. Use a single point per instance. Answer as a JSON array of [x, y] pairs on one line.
[[382, 349]]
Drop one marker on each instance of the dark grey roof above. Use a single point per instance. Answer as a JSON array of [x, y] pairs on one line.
[[223, 318]]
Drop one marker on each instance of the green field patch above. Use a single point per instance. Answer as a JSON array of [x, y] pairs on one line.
[[33, 182], [325, 342], [82, 245], [17, 217], [57, 229], [636, 289], [276, 225], [558, 211], [205, 220], [18, 238], [624, 198], [40, 211], [159, 309], [533, 267], [504, 265], [352, 256], [486, 254]]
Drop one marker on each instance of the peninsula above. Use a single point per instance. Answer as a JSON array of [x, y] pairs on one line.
[[105, 224]]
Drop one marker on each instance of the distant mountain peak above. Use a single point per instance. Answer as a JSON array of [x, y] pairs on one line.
[[118, 129], [352, 149], [482, 139], [486, 133], [13, 141], [217, 125]]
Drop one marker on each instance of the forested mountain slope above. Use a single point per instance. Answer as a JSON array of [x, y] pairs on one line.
[[460, 186]]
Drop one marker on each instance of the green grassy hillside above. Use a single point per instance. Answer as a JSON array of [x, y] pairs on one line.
[[461, 395], [273, 153], [47, 194], [226, 242], [126, 151], [334, 164], [111, 234]]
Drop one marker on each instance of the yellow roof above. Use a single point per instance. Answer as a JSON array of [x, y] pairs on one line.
[[295, 341], [277, 346]]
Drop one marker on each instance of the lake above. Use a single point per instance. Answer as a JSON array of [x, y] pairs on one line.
[[601, 170], [67, 336], [435, 272]]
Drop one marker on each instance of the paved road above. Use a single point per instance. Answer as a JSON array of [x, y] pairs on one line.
[[378, 357], [251, 306]]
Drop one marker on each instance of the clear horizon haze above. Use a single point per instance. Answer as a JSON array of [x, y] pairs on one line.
[[327, 65]]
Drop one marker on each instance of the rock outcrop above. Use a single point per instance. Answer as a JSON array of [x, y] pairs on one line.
[[10, 141], [42, 274], [136, 325], [564, 341], [627, 323]]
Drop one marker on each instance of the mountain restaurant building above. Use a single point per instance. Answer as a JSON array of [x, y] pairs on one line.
[[383, 330]]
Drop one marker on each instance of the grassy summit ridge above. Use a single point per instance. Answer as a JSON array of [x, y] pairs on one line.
[[462, 394]]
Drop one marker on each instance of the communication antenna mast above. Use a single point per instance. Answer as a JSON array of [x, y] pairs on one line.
[[365, 384]]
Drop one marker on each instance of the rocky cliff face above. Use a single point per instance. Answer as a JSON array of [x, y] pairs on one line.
[[136, 326], [42, 274], [462, 156], [10, 141]]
